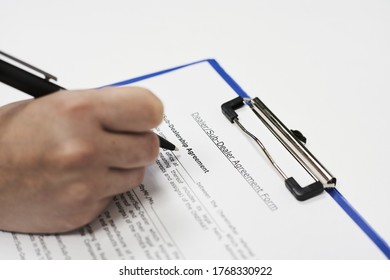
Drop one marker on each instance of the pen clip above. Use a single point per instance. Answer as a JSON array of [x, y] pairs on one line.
[[48, 76]]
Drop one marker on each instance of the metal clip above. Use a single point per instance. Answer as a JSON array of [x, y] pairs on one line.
[[292, 140], [48, 76]]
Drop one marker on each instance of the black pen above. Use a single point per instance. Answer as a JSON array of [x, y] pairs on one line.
[[38, 87]]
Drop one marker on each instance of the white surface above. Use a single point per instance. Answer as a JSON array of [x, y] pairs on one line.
[[244, 211], [322, 66]]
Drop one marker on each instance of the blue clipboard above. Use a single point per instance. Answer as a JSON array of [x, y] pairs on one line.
[[333, 192]]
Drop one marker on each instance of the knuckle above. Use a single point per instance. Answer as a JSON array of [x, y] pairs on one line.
[[77, 105], [78, 194], [73, 153]]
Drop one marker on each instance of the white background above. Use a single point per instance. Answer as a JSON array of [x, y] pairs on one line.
[[281, 270], [322, 66]]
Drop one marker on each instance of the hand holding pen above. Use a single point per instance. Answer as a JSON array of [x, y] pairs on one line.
[[65, 155]]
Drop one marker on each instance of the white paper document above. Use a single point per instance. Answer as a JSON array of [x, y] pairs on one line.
[[218, 197]]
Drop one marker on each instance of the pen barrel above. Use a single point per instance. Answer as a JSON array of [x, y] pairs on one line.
[[25, 81], [292, 144]]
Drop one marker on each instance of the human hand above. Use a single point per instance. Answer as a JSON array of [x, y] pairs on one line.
[[64, 156]]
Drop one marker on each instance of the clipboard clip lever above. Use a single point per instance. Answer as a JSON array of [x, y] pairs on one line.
[[292, 140]]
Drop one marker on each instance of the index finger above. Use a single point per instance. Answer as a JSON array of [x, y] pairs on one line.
[[127, 109]]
